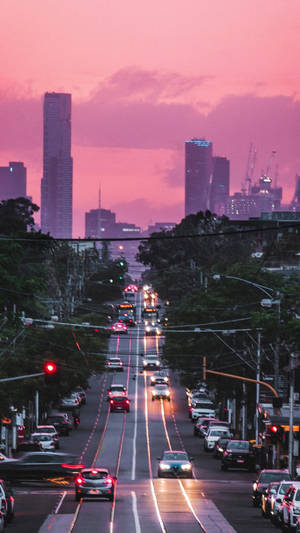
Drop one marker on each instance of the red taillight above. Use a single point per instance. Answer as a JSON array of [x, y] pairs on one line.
[[108, 363], [127, 401], [109, 480], [111, 401], [120, 363], [11, 498], [72, 466], [79, 480]]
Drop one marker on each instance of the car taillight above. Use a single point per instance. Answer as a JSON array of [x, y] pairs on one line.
[[79, 480], [120, 363], [109, 480], [127, 401], [111, 401], [11, 498]]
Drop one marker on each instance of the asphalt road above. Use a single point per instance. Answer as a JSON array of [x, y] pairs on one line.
[[129, 444]]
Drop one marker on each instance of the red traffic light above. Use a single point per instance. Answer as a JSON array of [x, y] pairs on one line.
[[274, 429], [50, 368]]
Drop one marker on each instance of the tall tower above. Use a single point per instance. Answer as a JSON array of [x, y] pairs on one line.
[[57, 181], [219, 192], [198, 175]]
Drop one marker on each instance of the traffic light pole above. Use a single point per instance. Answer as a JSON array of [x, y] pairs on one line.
[[291, 418], [26, 376]]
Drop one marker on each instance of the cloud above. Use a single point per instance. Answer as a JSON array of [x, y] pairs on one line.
[[145, 212]]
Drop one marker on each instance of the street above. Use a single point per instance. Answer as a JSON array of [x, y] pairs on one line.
[[129, 444]]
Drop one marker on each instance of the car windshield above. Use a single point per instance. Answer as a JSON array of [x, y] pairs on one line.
[[268, 477], [175, 456], [93, 474], [161, 387], [283, 488], [117, 388], [45, 430], [238, 445], [118, 399], [218, 432], [204, 405]]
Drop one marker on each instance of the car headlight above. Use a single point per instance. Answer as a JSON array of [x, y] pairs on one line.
[[148, 329], [186, 467], [167, 393], [158, 363], [144, 362], [164, 466], [153, 393], [221, 450], [166, 380], [254, 486]]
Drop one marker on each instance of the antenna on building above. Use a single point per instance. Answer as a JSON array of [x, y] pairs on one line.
[[276, 173], [99, 208]]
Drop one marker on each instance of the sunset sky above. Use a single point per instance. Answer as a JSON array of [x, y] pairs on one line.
[[145, 76]]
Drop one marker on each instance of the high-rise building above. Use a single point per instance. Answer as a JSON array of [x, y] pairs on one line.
[[99, 223], [198, 175], [219, 192], [12, 181], [57, 181]]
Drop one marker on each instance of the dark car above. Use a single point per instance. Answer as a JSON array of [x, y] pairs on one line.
[[175, 464], [266, 498], [40, 465], [220, 446], [61, 422], [94, 483], [29, 446], [119, 403], [265, 477], [202, 427], [7, 492], [238, 454]]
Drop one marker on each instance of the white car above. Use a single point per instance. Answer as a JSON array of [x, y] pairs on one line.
[[213, 435], [161, 392], [46, 441], [276, 501], [151, 362], [50, 430], [71, 402], [153, 330], [290, 510], [114, 363]]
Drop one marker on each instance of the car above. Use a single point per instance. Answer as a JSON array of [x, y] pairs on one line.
[[213, 435], [94, 483], [290, 508], [69, 403], [159, 378], [151, 329], [276, 501], [82, 395], [220, 446], [265, 477], [2, 521], [161, 392], [45, 440], [119, 328], [201, 408], [238, 454], [175, 463], [62, 423], [200, 426], [298, 525], [119, 403], [41, 465], [29, 446], [114, 363], [116, 389], [8, 505], [151, 362], [266, 498], [51, 431]]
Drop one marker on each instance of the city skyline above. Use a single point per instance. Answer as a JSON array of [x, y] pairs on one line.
[[134, 106]]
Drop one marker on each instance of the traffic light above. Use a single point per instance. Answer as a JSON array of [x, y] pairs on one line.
[[275, 433], [122, 263], [51, 373]]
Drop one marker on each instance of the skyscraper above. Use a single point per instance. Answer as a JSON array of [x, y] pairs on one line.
[[12, 181], [57, 181], [219, 192], [198, 175]]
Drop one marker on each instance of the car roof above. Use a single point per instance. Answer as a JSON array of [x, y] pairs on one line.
[[278, 470]]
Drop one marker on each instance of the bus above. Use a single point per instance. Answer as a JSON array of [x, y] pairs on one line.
[[127, 313], [150, 315]]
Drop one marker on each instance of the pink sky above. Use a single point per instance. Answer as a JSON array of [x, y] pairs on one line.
[[144, 77]]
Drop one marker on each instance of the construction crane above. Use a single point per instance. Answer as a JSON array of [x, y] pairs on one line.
[[250, 169], [266, 176]]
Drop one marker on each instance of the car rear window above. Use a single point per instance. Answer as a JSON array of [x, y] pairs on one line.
[[283, 488], [119, 399], [268, 477], [238, 445], [90, 475]]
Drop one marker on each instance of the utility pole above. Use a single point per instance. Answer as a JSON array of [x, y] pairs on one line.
[[291, 417], [276, 352], [257, 384]]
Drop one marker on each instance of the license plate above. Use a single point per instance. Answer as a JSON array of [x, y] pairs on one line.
[[94, 491], [240, 460]]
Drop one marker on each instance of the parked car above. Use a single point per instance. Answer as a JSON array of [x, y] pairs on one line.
[[29, 446], [114, 363], [175, 464], [201, 408], [45, 440], [298, 525], [69, 403], [82, 395], [290, 508], [276, 501], [265, 477], [213, 435], [62, 423], [51, 430], [220, 446], [119, 403], [200, 426], [94, 483], [238, 454], [266, 498], [7, 506]]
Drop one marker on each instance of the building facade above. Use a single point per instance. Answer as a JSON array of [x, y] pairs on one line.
[[219, 192], [99, 223], [198, 175], [13, 181], [57, 180]]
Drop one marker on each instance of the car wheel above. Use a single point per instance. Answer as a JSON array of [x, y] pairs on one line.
[[263, 513], [77, 497], [169, 399], [195, 433], [10, 517], [255, 503]]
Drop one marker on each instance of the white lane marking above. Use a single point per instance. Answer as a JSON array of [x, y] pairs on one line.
[[60, 502], [135, 513], [156, 507], [135, 410]]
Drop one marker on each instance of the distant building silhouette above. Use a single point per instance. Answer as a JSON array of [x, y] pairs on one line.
[[198, 175], [219, 192], [13, 181], [159, 226], [295, 204], [99, 223], [57, 181]]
